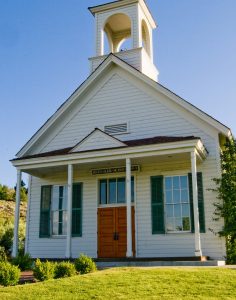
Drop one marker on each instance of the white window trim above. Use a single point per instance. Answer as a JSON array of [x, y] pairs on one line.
[[165, 215], [113, 176], [56, 236]]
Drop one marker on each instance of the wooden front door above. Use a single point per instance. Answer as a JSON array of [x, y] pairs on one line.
[[112, 232]]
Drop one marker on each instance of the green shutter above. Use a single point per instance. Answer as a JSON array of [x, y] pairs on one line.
[[77, 210], [200, 202], [158, 224], [45, 209]]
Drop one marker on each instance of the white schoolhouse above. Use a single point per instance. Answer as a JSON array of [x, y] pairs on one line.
[[124, 166]]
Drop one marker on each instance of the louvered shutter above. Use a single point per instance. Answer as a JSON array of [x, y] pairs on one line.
[[157, 199], [77, 210], [200, 202], [45, 211]]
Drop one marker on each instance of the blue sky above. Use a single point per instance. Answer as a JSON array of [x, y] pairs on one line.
[[45, 44]]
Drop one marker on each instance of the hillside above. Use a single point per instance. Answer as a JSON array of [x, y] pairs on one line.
[[7, 209]]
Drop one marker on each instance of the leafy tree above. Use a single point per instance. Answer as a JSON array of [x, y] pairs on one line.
[[226, 190], [23, 192]]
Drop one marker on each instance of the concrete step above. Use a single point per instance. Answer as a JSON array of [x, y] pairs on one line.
[[139, 263]]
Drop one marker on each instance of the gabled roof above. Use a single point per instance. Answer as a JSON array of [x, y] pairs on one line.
[[100, 71], [131, 143], [96, 140]]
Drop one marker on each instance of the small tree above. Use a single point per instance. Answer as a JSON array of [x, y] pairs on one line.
[[226, 190], [23, 192]]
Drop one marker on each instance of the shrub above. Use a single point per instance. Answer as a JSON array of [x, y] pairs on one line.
[[64, 269], [43, 270], [3, 255], [9, 274], [85, 264], [23, 261]]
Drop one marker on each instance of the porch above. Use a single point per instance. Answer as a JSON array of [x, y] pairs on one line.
[[184, 154]]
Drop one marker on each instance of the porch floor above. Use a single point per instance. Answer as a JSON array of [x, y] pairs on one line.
[[158, 262]]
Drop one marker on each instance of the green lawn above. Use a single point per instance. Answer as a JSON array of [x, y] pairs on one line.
[[134, 283]]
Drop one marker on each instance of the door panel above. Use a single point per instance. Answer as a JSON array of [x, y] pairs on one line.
[[112, 232], [106, 229]]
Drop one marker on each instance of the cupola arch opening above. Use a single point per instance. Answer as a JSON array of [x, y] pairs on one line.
[[117, 29]]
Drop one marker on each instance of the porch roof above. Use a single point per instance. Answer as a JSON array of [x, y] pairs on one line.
[[129, 143]]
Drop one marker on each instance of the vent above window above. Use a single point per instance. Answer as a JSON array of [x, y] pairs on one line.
[[116, 129]]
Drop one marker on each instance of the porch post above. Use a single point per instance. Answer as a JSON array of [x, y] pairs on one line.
[[17, 216], [129, 252], [69, 211], [198, 250]]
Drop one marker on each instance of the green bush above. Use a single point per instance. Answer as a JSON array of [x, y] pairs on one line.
[[43, 270], [85, 264], [23, 261], [3, 255], [9, 274], [64, 269]]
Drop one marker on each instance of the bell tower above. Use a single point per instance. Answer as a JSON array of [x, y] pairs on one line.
[[122, 20]]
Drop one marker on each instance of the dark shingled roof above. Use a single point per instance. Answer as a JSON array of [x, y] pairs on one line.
[[159, 140], [131, 143]]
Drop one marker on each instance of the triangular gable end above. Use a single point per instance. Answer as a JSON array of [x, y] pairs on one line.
[[102, 69], [97, 139]]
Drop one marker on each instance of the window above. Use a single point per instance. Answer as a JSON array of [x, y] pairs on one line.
[[172, 204], [177, 204], [59, 210], [53, 212], [113, 191]]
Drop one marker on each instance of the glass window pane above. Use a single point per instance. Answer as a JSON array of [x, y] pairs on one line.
[[176, 182], [132, 189], [170, 224], [185, 210], [121, 190], [65, 198], [64, 227], [55, 219], [186, 223], [103, 191], [168, 183], [168, 197], [112, 190], [169, 211], [184, 182], [178, 224], [184, 196], [177, 211], [55, 198], [176, 196]]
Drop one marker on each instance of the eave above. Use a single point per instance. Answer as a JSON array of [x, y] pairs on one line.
[[113, 154]]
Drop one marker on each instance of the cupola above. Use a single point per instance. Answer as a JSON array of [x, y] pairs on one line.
[[121, 20]]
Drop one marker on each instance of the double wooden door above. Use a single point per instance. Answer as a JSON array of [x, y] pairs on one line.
[[112, 232]]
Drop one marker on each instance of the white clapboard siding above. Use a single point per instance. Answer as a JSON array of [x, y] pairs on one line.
[[55, 247], [132, 57], [172, 245], [148, 245], [119, 101]]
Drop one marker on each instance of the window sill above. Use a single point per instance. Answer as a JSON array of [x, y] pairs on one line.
[[58, 237]]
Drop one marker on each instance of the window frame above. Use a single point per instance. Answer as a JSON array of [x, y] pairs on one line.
[[116, 204], [50, 234], [172, 204], [65, 187]]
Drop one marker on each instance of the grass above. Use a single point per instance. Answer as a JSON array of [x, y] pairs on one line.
[[134, 283]]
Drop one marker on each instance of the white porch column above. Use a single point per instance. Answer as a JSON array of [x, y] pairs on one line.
[[198, 250], [129, 252], [69, 211], [17, 216]]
